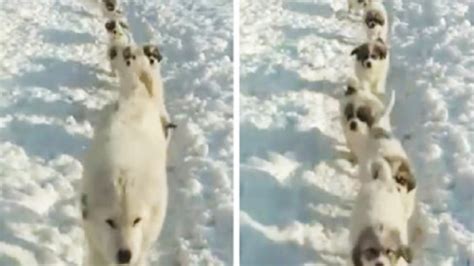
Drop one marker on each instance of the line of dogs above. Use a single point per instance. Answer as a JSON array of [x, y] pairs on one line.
[[124, 192], [384, 229]]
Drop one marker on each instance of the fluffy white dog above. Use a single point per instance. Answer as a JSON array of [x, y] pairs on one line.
[[356, 6], [379, 229], [372, 65], [376, 21], [119, 36], [124, 193], [382, 142], [142, 64], [359, 111]]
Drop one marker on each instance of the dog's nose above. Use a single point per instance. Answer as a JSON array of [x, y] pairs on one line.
[[371, 25], [124, 256], [368, 64], [353, 126]]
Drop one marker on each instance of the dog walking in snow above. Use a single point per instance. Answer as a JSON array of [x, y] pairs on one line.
[[379, 228], [124, 189]]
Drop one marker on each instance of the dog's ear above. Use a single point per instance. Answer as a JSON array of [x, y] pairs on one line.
[[110, 25], [350, 90], [406, 253], [123, 25], [356, 255], [411, 181], [375, 169], [355, 51], [381, 50], [113, 52], [84, 206]]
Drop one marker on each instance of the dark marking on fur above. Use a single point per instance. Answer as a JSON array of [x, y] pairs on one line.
[[349, 111], [364, 114], [152, 51], [350, 90], [84, 206], [374, 50], [123, 25], [113, 52], [373, 18], [402, 172], [110, 25]]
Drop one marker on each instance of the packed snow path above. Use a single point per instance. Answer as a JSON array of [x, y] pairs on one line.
[[54, 78], [296, 193]]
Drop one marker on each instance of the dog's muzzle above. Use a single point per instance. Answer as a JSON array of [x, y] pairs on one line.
[[368, 64]]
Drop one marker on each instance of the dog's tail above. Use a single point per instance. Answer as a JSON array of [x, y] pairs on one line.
[[384, 120]]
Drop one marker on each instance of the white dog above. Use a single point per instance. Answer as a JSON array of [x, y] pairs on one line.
[[136, 65], [111, 9], [119, 36], [376, 21], [359, 111], [379, 229], [356, 6], [382, 142], [372, 65], [124, 193]]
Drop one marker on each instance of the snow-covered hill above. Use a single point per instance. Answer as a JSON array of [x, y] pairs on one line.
[[54, 80], [296, 193]]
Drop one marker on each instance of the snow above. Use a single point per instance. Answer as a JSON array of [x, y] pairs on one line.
[[296, 191], [54, 80]]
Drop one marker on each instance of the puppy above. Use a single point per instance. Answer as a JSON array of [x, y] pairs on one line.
[[372, 65], [376, 21], [139, 64], [359, 111], [356, 6], [124, 190], [119, 37], [379, 230], [382, 142], [111, 9]]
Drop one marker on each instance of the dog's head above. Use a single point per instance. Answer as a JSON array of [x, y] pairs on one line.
[[116, 28], [110, 5], [369, 54], [116, 224], [374, 18], [152, 53], [402, 173], [358, 117], [380, 246]]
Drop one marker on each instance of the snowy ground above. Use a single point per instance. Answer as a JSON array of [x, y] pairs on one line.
[[296, 193], [54, 80]]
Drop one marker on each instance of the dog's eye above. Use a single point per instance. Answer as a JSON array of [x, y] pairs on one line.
[[136, 221], [134, 57], [111, 223], [373, 56]]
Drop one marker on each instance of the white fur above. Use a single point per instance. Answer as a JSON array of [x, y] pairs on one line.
[[378, 31], [379, 203], [119, 40], [355, 7], [130, 75], [357, 140], [125, 178], [375, 77], [387, 147]]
